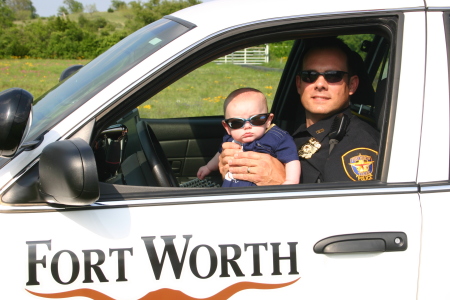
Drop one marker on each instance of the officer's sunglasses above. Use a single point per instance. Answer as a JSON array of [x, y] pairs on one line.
[[330, 76], [256, 120]]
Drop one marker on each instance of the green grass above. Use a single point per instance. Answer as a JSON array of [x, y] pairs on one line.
[[34, 75], [200, 93]]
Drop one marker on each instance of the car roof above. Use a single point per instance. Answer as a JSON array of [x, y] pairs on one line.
[[228, 13], [438, 3]]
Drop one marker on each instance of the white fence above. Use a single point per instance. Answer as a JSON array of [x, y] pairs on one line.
[[247, 56]]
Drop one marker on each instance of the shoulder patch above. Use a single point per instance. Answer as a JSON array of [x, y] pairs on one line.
[[360, 163]]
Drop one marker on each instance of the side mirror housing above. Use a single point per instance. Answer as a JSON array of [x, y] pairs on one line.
[[68, 173], [69, 71], [15, 119]]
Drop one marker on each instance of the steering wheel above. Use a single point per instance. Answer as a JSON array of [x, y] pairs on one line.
[[156, 159]]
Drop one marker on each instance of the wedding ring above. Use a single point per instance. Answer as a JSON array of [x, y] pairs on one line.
[[248, 169]]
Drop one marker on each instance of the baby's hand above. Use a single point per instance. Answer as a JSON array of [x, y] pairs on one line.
[[203, 172]]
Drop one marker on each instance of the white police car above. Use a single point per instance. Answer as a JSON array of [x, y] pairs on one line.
[[91, 202]]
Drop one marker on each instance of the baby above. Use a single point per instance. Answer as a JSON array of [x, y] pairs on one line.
[[248, 123]]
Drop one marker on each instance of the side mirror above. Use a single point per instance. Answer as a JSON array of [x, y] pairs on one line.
[[15, 119], [69, 71], [68, 173]]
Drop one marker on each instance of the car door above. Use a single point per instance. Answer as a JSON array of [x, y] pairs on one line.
[[345, 240], [434, 183]]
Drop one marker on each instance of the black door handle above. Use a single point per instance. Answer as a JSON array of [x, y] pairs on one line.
[[363, 242]]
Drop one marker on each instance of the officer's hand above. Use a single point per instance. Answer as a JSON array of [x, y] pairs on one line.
[[259, 168], [228, 151]]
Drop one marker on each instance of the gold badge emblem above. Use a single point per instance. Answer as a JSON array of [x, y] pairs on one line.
[[307, 150], [360, 164]]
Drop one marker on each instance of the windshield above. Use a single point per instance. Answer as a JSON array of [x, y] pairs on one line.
[[62, 100]]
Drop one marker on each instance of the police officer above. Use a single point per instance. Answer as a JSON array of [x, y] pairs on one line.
[[333, 144]]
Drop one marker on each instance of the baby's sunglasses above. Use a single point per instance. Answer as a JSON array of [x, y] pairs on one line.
[[256, 120], [330, 76]]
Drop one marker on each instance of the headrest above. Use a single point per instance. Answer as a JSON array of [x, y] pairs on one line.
[[364, 94]]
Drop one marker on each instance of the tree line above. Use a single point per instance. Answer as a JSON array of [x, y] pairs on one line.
[[24, 34]]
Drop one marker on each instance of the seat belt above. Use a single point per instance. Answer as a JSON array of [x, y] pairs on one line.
[[337, 132]]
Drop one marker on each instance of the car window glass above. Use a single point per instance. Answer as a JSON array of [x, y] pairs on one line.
[[186, 116], [202, 92], [56, 104]]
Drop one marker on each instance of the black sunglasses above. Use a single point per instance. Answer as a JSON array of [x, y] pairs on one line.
[[330, 76], [256, 120]]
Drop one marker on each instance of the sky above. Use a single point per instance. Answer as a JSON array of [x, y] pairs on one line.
[[47, 8]]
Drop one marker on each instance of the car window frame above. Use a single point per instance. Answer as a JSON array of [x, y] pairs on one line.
[[446, 21], [346, 28], [226, 43]]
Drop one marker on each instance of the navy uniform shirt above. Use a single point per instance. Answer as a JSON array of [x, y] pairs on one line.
[[354, 158]]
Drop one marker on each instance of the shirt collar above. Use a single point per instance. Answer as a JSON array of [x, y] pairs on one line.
[[320, 129]]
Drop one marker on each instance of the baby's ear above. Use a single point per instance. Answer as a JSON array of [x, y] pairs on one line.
[[227, 128], [269, 119]]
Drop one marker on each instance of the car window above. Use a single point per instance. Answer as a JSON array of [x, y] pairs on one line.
[[56, 104], [185, 117], [202, 92], [179, 118]]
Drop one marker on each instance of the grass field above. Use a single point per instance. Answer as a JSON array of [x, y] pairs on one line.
[[200, 93], [34, 75]]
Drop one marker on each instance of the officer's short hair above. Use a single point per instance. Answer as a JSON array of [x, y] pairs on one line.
[[353, 58]]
